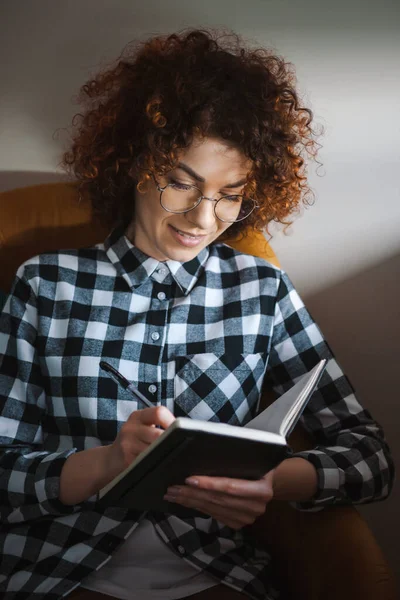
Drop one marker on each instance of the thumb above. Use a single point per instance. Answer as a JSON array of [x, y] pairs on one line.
[[269, 477]]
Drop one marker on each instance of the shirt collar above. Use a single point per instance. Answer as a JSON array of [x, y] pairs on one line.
[[136, 267]]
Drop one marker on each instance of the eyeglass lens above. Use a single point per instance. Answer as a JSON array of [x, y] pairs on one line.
[[183, 198]]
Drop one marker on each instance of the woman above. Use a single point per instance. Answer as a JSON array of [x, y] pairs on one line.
[[186, 140]]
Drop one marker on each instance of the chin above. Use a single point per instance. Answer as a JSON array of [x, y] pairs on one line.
[[183, 254]]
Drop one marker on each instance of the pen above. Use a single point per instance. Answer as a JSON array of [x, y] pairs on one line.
[[119, 378]]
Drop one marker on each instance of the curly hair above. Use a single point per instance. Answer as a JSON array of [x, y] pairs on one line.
[[161, 93]]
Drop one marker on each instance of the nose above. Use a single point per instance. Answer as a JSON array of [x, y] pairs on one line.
[[203, 215]]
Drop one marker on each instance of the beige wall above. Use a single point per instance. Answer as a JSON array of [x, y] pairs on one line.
[[343, 253]]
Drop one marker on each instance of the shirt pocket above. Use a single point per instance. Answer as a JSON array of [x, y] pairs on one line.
[[219, 387]]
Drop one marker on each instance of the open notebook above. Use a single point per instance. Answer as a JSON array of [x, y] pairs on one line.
[[194, 447]]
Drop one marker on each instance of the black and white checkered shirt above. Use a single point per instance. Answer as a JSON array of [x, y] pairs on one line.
[[197, 337]]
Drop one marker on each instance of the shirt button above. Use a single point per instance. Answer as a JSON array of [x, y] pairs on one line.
[[152, 388], [161, 296], [181, 549], [162, 271], [155, 336]]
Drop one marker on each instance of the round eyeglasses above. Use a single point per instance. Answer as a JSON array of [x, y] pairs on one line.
[[181, 198]]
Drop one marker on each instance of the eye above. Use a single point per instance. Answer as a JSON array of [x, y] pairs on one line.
[[232, 198], [181, 187]]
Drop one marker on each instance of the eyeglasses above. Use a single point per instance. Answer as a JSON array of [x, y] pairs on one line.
[[181, 198]]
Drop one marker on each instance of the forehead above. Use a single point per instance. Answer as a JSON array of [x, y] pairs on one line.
[[213, 158]]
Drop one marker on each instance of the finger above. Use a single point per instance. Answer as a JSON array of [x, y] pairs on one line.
[[238, 507], [216, 500], [269, 476], [147, 434], [157, 415], [233, 520], [134, 438], [227, 515], [259, 488], [130, 450]]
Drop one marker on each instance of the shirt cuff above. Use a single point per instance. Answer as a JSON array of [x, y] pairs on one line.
[[330, 479], [47, 485]]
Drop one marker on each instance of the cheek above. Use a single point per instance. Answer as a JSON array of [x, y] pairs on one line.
[[224, 227], [150, 212]]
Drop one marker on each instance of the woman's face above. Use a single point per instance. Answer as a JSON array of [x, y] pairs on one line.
[[214, 168]]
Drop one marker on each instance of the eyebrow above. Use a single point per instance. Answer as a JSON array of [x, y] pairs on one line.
[[198, 177]]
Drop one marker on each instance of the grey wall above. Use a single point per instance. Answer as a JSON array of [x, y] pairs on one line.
[[360, 316], [343, 253]]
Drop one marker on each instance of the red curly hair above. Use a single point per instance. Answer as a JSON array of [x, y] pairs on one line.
[[143, 110]]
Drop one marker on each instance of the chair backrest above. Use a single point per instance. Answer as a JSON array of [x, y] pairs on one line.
[[48, 217]]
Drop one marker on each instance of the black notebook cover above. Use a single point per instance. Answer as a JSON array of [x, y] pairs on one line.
[[192, 447], [186, 453]]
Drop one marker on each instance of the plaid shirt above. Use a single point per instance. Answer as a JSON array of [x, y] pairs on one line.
[[197, 337]]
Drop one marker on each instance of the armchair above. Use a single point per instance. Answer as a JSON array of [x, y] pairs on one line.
[[326, 555]]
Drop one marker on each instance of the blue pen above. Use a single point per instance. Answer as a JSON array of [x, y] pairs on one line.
[[116, 375]]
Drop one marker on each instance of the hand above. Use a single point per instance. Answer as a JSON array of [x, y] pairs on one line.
[[234, 502], [137, 433], [86, 472]]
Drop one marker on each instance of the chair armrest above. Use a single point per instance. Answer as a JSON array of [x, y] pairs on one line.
[[326, 555]]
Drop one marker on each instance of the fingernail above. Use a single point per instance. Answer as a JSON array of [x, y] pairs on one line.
[[170, 497], [192, 481], [174, 490]]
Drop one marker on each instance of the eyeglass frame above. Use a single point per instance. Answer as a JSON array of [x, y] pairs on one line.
[[200, 199]]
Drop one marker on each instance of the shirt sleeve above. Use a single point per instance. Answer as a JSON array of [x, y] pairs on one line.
[[29, 476], [351, 456]]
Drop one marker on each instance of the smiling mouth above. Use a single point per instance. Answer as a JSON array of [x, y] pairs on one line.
[[188, 235]]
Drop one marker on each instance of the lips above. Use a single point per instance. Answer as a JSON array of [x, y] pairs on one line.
[[189, 235], [186, 239]]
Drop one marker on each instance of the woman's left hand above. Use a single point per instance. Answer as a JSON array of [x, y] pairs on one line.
[[234, 502]]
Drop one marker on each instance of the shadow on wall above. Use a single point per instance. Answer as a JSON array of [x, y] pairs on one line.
[[360, 317], [16, 179]]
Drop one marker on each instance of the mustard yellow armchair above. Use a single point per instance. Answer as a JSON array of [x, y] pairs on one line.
[[328, 555]]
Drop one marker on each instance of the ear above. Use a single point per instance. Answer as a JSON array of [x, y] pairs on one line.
[[143, 187]]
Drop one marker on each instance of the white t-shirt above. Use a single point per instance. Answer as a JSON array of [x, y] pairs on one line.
[[144, 568]]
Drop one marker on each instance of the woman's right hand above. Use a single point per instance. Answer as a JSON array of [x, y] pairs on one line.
[[86, 472], [138, 432]]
